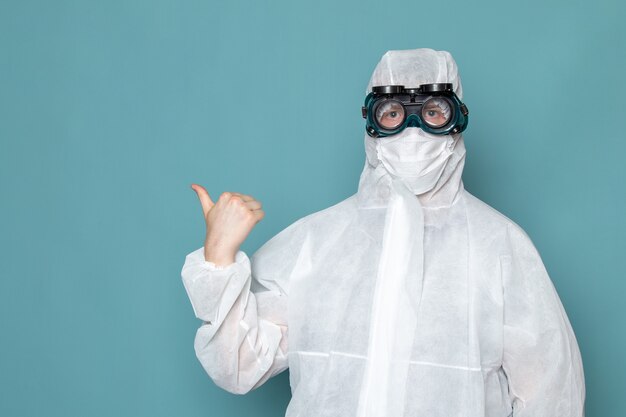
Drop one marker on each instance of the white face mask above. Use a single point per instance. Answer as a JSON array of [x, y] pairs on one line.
[[415, 156]]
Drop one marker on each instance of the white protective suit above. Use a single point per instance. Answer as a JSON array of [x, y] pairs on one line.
[[388, 305]]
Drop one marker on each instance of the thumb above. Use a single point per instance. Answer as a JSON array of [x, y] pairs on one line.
[[204, 197]]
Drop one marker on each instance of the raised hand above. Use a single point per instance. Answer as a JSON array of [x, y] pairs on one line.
[[228, 223]]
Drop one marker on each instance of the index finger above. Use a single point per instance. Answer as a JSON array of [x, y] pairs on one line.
[[244, 197]]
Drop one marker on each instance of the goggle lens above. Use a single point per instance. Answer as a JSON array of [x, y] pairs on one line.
[[436, 112], [390, 114]]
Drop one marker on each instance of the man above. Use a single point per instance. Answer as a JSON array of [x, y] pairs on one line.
[[409, 298]]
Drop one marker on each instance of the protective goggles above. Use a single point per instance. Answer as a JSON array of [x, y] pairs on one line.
[[434, 108]]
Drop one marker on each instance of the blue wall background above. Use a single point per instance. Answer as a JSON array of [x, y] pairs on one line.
[[109, 111]]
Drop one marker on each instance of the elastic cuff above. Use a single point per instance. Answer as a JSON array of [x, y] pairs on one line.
[[240, 258]]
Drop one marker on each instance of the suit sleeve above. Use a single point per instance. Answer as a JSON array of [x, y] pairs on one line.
[[541, 357], [243, 339]]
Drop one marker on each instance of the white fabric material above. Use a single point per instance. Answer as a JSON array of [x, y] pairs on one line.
[[395, 307], [389, 305], [414, 156]]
